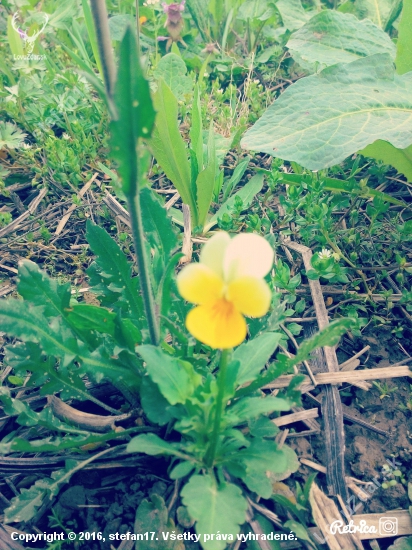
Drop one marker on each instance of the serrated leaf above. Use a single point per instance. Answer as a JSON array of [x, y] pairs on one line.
[[377, 11], [332, 37], [247, 193], [151, 444], [172, 69], [254, 355], [175, 379], [41, 290], [115, 270], [135, 113], [403, 59], [215, 508], [360, 102]]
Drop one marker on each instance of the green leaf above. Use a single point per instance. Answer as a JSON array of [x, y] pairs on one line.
[[252, 407], [118, 25], [401, 159], [41, 290], [377, 11], [262, 10], [151, 444], [135, 113], [292, 13], [215, 508], [196, 128], [157, 225], [206, 180], [332, 37], [172, 69], [247, 194], [181, 470], [152, 518], [237, 175], [254, 355], [89, 317], [361, 101], [155, 406], [169, 149], [403, 59], [114, 269], [298, 529], [88, 19], [176, 379], [402, 543], [15, 41]]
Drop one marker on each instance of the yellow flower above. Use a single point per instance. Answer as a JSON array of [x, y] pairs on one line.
[[226, 285]]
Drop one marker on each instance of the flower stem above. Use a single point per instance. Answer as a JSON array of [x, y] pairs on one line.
[[133, 203], [220, 406]]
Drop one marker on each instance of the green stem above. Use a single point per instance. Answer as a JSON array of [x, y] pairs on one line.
[[220, 406], [134, 209]]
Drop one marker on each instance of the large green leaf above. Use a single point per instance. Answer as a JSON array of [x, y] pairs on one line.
[[135, 113], [332, 37], [173, 70], [254, 355], [151, 444], [216, 509], [169, 149], [377, 11], [261, 10], [320, 120], [175, 379], [401, 159], [252, 407], [403, 59]]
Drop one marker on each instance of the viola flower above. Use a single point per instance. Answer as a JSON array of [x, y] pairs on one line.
[[226, 285]]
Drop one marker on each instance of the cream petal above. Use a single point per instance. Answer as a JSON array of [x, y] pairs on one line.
[[213, 252], [247, 254]]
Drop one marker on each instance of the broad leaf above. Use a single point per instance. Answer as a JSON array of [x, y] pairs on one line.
[[261, 10], [377, 11], [401, 159], [172, 69], [246, 193], [155, 406], [135, 113], [151, 444], [175, 379], [254, 355], [403, 59], [252, 407], [216, 509], [118, 25], [320, 120], [292, 13], [332, 37], [169, 149], [88, 317]]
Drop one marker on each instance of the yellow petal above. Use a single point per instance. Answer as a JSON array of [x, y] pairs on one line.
[[198, 284], [218, 325], [247, 254], [251, 296], [213, 252]]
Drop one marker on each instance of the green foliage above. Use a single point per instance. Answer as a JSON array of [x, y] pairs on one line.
[[403, 59], [172, 69], [10, 136]]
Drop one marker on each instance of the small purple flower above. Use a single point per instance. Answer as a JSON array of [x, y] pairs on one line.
[[174, 22]]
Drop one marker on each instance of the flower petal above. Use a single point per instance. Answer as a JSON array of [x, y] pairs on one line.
[[213, 252], [219, 325], [199, 284], [251, 296], [247, 254]]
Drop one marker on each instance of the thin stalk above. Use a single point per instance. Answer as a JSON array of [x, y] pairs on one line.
[[101, 23], [133, 203], [138, 27], [220, 407]]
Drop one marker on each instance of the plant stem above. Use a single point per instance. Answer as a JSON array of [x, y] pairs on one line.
[[133, 203], [220, 406], [101, 23]]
